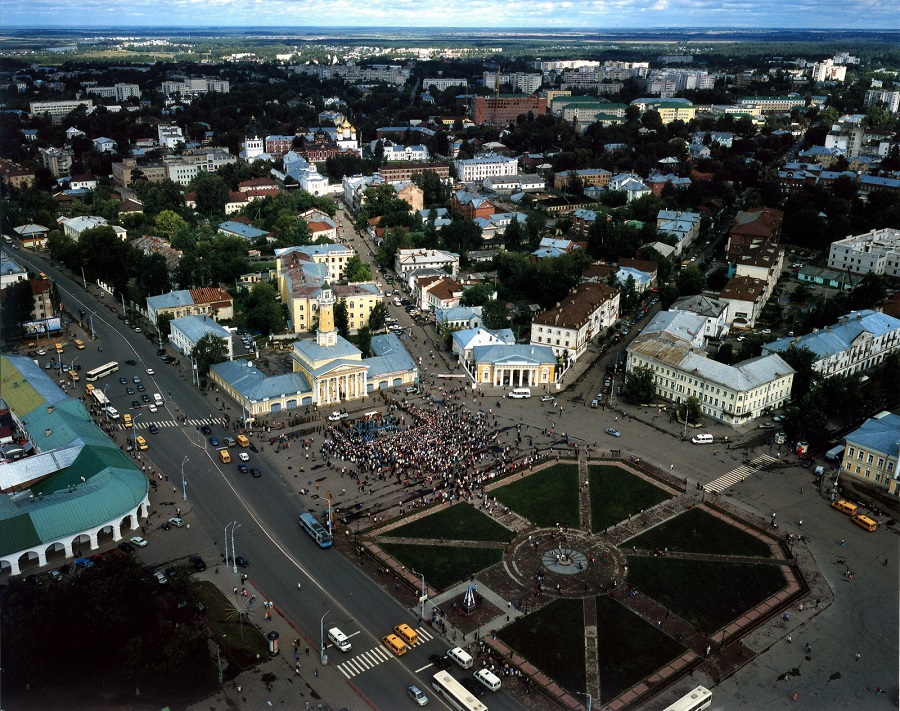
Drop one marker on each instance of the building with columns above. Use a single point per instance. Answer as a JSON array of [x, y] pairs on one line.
[[328, 370], [513, 366], [67, 489]]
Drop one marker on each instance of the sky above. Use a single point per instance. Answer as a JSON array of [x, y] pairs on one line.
[[494, 14]]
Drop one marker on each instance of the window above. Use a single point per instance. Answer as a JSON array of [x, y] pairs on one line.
[[870, 459], [850, 451]]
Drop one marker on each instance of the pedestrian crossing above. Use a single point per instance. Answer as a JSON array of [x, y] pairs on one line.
[[375, 656], [174, 423], [739, 474]]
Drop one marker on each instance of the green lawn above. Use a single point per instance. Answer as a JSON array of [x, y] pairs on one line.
[[615, 493], [546, 498], [697, 531], [553, 640], [460, 522], [707, 594], [444, 565], [629, 648]]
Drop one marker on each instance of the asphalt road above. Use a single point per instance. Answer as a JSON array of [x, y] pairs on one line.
[[266, 509]]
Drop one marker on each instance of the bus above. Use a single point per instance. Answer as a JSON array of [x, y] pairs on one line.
[[455, 693], [699, 698], [101, 372], [99, 396], [315, 529]]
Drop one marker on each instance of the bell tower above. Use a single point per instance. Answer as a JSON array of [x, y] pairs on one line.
[[327, 334]]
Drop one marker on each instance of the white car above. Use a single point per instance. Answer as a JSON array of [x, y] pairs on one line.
[[153, 408], [41, 351], [139, 542], [547, 398], [177, 522], [244, 457], [160, 578], [334, 417], [149, 371]]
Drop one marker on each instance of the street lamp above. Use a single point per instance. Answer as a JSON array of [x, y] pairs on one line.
[[226, 541], [134, 430], [423, 597], [581, 693], [183, 481], [323, 655], [105, 410], [233, 556]]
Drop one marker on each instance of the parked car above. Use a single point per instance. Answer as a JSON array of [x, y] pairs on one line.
[[177, 522], [84, 563], [613, 432], [55, 575], [547, 398], [160, 578], [126, 547], [242, 562], [197, 563], [138, 541], [415, 693]]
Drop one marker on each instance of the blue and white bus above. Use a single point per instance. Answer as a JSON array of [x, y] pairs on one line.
[[315, 529]]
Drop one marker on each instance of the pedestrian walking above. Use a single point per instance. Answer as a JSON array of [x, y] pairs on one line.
[[857, 656]]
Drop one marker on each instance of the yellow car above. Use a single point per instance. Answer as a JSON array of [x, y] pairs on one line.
[[141, 443]]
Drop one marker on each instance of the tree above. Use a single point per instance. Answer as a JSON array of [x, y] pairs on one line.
[[461, 236], [801, 359], [690, 280], [164, 324], [208, 350], [264, 312], [869, 293], [691, 408], [364, 341], [513, 235], [153, 275], [377, 316], [478, 295], [212, 194], [357, 270], [494, 315], [342, 319], [17, 308], [574, 183], [168, 223], [639, 386]]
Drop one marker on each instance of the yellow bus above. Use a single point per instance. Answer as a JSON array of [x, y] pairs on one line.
[[864, 522]]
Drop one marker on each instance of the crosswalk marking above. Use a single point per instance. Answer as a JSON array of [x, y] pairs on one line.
[[739, 473], [173, 423], [364, 661]]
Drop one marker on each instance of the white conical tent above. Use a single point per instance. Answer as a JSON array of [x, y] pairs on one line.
[[469, 600]]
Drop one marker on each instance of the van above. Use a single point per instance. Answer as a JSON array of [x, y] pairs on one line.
[[112, 412], [845, 507], [78, 344], [126, 420], [702, 439], [225, 456], [491, 681], [395, 644], [520, 393], [242, 440], [157, 399], [339, 639], [461, 657], [864, 522], [407, 633]]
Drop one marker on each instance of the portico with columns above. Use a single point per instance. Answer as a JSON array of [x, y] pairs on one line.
[[514, 366]]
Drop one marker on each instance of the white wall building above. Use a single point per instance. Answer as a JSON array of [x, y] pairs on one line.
[[444, 83], [409, 260], [582, 315], [485, 166], [527, 83], [876, 252], [187, 330]]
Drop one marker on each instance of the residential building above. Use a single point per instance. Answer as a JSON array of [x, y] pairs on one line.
[[733, 394], [859, 341], [333, 256], [827, 70], [207, 301], [278, 145], [410, 193], [10, 272], [476, 169], [239, 229], [392, 172], [503, 108], [57, 160], [642, 280], [773, 104], [15, 175], [587, 176], [686, 325], [104, 145], [394, 153], [409, 260], [514, 183], [355, 187], [118, 92], [170, 135], [753, 228], [683, 226], [668, 109], [33, 236], [189, 87], [871, 452], [515, 366], [321, 226], [875, 252], [439, 293], [465, 340], [356, 74], [58, 110], [458, 317], [444, 83], [74, 226], [186, 331], [569, 327], [525, 82], [746, 298], [472, 205], [630, 184], [890, 100], [550, 247], [149, 244], [714, 311]]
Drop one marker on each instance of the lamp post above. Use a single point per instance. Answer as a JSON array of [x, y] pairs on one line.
[[581, 693], [183, 480], [134, 430], [323, 655], [422, 598], [233, 523], [105, 410], [233, 556]]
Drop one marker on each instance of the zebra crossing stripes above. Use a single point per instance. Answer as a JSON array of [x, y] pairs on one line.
[[173, 423], [739, 473], [377, 655]]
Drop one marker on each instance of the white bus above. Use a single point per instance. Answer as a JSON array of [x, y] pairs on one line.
[[101, 399], [101, 372], [699, 698], [455, 693]]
